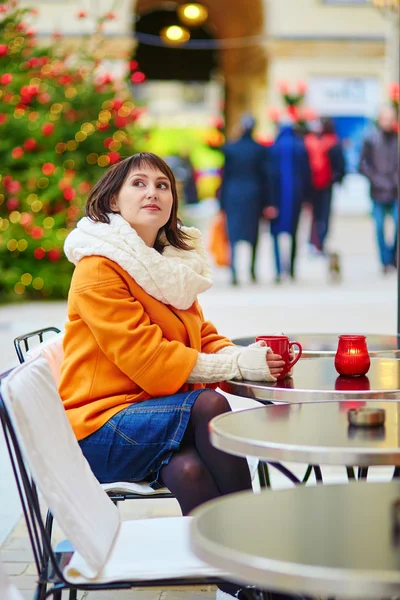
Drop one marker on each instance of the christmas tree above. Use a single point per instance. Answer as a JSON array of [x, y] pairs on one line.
[[62, 122]]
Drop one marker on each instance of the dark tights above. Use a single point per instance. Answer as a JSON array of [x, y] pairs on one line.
[[198, 472]]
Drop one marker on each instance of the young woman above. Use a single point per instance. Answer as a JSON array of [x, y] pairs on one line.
[[138, 353]]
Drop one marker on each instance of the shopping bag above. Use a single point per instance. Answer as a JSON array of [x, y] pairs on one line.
[[219, 241]]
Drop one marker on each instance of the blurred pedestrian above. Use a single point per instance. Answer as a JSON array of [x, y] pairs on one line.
[[243, 193], [379, 163], [327, 167], [289, 181]]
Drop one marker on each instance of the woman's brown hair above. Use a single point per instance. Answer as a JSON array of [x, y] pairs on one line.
[[108, 187]]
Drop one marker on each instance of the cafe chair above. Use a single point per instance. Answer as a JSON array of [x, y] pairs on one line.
[[51, 348], [102, 552]]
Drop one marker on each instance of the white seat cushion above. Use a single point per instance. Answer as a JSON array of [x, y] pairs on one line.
[[146, 549], [52, 350], [140, 487]]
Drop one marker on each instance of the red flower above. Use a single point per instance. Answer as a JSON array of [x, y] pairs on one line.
[[110, 16], [17, 152], [3, 8], [6, 79], [114, 157], [283, 87], [47, 129], [21, 26], [69, 194], [138, 77], [39, 253], [37, 233], [3, 49], [34, 62], [3, 118], [48, 169], [301, 87], [54, 254], [30, 32], [133, 65], [82, 14], [30, 144]]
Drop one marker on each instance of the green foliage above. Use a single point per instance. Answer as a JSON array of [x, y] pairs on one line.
[[62, 121]]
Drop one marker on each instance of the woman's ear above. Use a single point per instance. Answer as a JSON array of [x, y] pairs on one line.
[[114, 204]]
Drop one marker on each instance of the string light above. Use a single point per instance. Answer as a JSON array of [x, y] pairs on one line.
[[175, 35], [192, 14]]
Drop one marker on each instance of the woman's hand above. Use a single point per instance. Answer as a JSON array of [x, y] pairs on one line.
[[275, 363]]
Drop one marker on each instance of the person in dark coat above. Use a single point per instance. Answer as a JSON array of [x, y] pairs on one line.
[[379, 163], [290, 182], [243, 193]]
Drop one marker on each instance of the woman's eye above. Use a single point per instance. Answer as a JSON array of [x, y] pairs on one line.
[[138, 183], [163, 186]]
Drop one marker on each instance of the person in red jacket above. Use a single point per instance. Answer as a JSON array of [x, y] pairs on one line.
[[327, 167]]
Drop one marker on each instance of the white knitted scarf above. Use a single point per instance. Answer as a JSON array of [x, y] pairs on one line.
[[174, 277]]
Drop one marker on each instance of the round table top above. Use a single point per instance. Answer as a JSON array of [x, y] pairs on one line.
[[310, 433], [316, 380], [327, 540], [325, 344]]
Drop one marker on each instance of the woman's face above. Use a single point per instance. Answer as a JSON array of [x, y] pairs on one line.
[[145, 202]]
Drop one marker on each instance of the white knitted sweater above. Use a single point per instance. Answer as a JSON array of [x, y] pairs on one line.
[[175, 277]]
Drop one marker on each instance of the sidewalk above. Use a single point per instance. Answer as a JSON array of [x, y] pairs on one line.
[[365, 301]]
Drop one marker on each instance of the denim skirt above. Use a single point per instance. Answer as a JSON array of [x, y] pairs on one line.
[[136, 442]]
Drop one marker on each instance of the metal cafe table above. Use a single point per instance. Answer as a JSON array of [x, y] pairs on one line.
[[316, 380], [325, 344], [338, 540], [313, 433]]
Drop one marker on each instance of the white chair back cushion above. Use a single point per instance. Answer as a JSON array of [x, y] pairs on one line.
[[83, 510], [52, 350]]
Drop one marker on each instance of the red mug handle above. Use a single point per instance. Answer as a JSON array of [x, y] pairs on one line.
[[298, 355]]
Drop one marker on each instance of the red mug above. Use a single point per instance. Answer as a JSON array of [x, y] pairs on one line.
[[280, 344]]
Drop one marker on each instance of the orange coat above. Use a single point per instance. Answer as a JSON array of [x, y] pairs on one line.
[[121, 345]]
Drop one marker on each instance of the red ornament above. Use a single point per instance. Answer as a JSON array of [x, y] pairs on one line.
[[293, 111], [138, 77], [102, 126], [54, 254], [69, 194], [30, 144], [114, 157], [39, 253], [116, 104], [13, 187], [48, 169], [6, 79], [12, 203], [352, 357], [17, 152], [37, 233], [3, 49], [107, 142], [48, 129], [133, 65], [120, 122], [3, 118]]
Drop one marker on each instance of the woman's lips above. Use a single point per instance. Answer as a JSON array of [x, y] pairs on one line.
[[152, 207]]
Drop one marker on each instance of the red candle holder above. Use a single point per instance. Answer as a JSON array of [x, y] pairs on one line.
[[352, 357]]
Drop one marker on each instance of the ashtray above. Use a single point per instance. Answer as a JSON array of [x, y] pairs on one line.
[[366, 417]]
